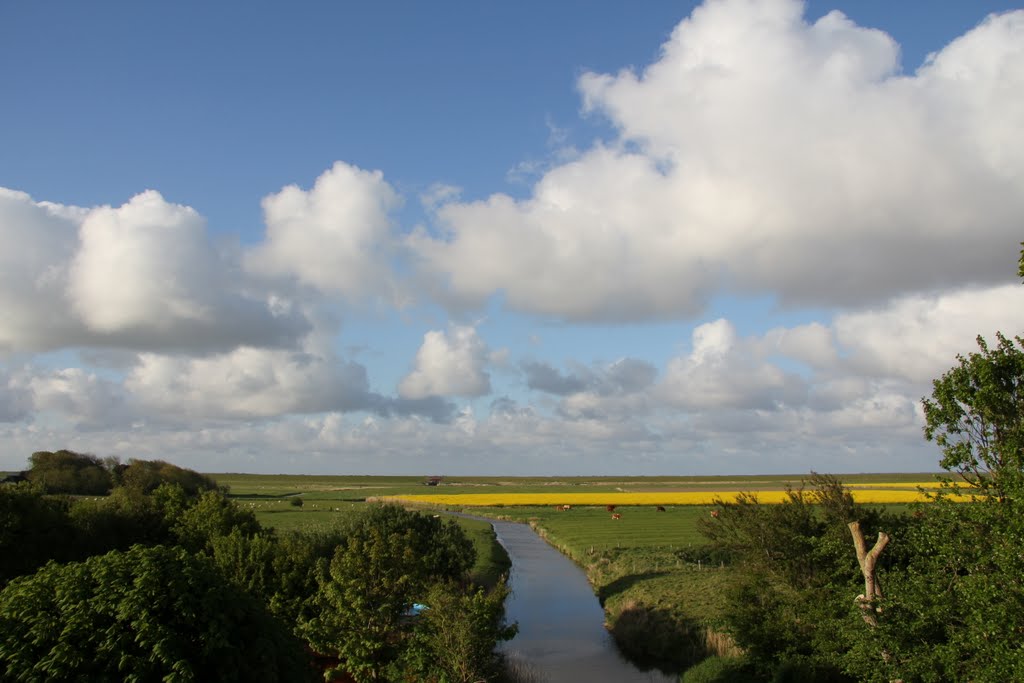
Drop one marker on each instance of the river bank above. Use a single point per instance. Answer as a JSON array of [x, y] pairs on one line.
[[662, 602], [662, 609]]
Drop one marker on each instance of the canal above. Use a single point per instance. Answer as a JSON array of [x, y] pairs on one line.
[[561, 624]]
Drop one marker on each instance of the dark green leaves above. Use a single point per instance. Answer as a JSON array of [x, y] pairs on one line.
[[145, 614], [976, 416]]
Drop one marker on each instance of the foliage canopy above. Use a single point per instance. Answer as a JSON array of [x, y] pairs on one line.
[[388, 561], [976, 416], [65, 471], [145, 614]]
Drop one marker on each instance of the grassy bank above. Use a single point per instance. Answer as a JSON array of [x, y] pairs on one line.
[[661, 594]]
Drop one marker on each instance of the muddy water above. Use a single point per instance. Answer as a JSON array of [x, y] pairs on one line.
[[561, 624]]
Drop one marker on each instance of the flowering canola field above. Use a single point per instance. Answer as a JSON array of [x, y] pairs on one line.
[[884, 494], [897, 485]]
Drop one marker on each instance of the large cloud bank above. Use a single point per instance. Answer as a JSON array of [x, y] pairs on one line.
[[144, 275], [760, 155]]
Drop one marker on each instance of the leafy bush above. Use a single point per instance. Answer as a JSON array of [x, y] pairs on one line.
[[69, 472], [212, 514], [33, 529], [145, 476], [453, 640], [146, 614], [388, 560]]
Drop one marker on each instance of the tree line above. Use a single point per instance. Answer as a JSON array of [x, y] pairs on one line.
[[82, 474], [166, 578]]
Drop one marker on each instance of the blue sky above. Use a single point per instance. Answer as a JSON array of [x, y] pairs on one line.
[[502, 238]]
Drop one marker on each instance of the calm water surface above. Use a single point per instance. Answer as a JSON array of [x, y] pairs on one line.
[[561, 623]]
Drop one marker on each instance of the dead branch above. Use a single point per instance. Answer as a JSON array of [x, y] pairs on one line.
[[867, 560]]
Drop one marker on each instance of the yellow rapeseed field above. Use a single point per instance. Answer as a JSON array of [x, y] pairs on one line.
[[897, 485], [638, 498]]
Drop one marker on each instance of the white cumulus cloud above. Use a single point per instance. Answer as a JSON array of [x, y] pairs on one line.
[[916, 338], [449, 364], [335, 237], [140, 276], [762, 153], [249, 383], [725, 371]]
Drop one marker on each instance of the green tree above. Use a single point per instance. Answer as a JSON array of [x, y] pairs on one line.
[[793, 582], [116, 522], [954, 607], [34, 528], [976, 416], [454, 639], [145, 614], [208, 516], [248, 561], [368, 586], [281, 569], [65, 471], [145, 476], [389, 558]]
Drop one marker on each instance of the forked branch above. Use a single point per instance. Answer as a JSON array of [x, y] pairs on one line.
[[867, 560]]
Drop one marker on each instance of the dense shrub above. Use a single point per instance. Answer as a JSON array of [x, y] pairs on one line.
[[453, 640], [145, 614], [65, 471], [387, 562], [145, 476], [209, 516], [279, 569], [34, 528]]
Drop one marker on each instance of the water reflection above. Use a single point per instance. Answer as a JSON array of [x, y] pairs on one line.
[[561, 623]]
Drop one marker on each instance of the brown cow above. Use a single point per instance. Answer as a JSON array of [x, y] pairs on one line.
[[714, 513], [661, 508], [616, 515], [609, 508]]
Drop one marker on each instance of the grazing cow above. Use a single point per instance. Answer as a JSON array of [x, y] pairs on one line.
[[661, 508], [558, 507], [714, 513], [609, 508], [616, 515]]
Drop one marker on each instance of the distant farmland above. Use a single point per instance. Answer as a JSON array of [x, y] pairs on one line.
[[882, 492]]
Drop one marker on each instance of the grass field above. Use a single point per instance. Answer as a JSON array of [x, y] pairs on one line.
[[358, 488], [590, 528]]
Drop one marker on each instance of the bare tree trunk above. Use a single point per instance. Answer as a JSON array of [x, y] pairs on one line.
[[867, 560]]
